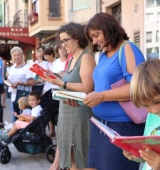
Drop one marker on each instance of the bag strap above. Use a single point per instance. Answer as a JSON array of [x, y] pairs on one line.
[[120, 51]]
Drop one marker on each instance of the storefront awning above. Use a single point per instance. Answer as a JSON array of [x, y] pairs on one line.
[[16, 34]]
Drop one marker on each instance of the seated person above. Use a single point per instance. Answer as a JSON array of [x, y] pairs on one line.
[[33, 100], [26, 111], [24, 107]]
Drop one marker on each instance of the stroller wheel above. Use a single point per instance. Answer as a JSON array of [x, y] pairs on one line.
[[5, 156], [50, 153]]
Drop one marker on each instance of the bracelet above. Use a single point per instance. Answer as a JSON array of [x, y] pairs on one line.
[[64, 86]]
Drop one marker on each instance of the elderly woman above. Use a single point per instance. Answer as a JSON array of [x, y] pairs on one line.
[[19, 75]]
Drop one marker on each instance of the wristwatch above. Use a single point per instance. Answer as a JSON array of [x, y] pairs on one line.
[[64, 86]]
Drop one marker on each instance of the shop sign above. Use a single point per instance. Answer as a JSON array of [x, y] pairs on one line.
[[17, 32], [9, 42]]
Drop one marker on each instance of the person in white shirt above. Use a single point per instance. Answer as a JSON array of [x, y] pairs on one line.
[[18, 76], [55, 66], [24, 107], [25, 111], [33, 100], [38, 83]]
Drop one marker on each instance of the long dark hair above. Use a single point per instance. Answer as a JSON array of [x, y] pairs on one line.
[[112, 30]]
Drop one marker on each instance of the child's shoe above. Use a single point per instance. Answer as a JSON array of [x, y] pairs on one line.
[[4, 137], [8, 127]]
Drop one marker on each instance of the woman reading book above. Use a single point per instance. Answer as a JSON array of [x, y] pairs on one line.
[[55, 66], [104, 30], [37, 84], [145, 91], [73, 122]]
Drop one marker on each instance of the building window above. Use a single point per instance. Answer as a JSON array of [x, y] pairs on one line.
[[54, 8], [149, 50], [157, 36], [149, 16], [1, 16], [116, 12], [137, 38], [80, 4], [152, 3], [35, 6], [149, 36]]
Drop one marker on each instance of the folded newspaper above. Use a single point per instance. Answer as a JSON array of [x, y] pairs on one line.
[[78, 96]]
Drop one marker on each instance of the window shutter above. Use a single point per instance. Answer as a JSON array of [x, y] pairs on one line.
[[137, 38]]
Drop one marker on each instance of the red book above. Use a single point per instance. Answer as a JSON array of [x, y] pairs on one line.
[[131, 144], [41, 71]]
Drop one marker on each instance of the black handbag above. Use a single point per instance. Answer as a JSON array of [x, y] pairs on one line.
[[20, 93]]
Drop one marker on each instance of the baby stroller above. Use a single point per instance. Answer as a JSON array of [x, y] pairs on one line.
[[33, 139]]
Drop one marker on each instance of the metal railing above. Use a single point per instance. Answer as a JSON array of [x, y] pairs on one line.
[[9, 24], [20, 19]]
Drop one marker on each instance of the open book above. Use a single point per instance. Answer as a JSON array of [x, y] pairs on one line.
[[41, 71], [78, 96], [8, 83], [131, 144]]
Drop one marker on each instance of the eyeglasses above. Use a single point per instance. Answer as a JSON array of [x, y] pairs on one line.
[[65, 41]]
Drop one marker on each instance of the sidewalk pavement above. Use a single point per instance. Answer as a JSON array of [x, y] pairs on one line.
[[20, 160]]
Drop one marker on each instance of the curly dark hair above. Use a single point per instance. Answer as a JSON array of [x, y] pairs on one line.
[[76, 31], [112, 30]]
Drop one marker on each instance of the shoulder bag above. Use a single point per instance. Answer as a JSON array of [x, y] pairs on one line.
[[137, 115]]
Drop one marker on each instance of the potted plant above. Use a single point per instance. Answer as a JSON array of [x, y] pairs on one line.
[[33, 17]]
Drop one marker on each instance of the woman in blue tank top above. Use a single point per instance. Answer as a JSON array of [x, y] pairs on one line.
[[105, 32]]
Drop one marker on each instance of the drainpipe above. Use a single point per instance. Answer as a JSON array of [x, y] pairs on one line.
[[99, 6]]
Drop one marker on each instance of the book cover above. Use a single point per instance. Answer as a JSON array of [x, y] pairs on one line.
[[131, 144], [7, 83], [41, 71], [78, 96]]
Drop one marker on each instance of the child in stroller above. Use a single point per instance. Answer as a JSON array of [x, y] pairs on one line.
[[33, 100], [25, 110], [32, 139]]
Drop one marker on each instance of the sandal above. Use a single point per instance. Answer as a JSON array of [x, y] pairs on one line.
[[4, 137], [51, 135]]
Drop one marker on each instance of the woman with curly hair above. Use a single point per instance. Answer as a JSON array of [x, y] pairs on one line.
[[74, 119]]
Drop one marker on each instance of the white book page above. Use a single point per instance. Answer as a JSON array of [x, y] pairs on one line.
[[68, 97], [109, 132], [79, 95]]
